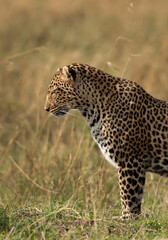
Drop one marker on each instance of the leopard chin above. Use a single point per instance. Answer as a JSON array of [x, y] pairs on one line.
[[59, 112]]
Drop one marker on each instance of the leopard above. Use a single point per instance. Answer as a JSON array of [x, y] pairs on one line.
[[129, 125]]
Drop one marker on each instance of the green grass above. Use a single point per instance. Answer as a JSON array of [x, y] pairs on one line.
[[54, 182], [72, 220]]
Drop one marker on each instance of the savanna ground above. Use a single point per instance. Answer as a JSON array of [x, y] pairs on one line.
[[54, 182]]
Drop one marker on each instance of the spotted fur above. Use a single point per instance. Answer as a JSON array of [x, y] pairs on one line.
[[129, 125]]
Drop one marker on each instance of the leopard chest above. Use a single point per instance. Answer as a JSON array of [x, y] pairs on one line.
[[102, 142]]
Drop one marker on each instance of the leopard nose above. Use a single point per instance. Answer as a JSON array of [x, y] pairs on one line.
[[47, 105], [47, 109]]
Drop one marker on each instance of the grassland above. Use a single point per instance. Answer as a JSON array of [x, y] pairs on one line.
[[54, 182]]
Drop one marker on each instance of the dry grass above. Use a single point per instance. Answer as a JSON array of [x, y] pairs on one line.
[[47, 160]]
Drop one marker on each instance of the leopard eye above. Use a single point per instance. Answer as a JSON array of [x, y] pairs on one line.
[[52, 93]]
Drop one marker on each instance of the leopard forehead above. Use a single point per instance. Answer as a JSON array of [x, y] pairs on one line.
[[83, 70]]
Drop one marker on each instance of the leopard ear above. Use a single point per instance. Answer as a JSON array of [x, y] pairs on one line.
[[72, 73], [59, 69], [69, 74], [65, 71]]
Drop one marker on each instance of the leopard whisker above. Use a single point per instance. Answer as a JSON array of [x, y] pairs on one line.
[[53, 109]]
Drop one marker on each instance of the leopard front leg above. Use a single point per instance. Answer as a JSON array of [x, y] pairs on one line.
[[131, 181]]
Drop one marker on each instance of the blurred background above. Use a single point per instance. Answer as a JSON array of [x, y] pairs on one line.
[[43, 157]]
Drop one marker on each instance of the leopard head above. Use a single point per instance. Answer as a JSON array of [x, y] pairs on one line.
[[63, 92]]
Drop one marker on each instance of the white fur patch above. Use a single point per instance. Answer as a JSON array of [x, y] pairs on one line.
[[65, 70], [107, 157]]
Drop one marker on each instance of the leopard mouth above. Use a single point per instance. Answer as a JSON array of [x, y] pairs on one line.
[[59, 111]]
